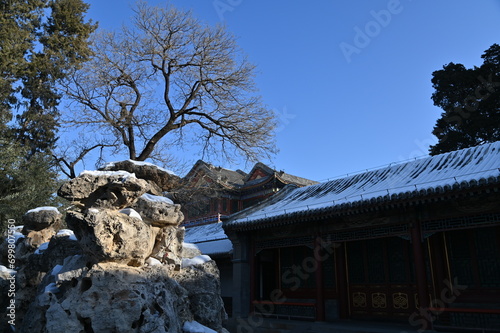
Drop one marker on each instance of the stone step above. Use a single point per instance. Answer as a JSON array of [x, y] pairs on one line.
[[284, 326]]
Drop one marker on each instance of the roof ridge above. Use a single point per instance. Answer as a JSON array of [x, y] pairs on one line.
[[460, 169]]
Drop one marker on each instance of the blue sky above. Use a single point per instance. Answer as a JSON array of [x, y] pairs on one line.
[[349, 80]]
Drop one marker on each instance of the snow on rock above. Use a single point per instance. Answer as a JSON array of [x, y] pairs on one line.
[[120, 173], [104, 189], [38, 209], [190, 246], [131, 212], [107, 165], [42, 248], [111, 165], [156, 198], [15, 232], [141, 163], [198, 260], [56, 270], [4, 269], [18, 228], [67, 232], [51, 288], [17, 235], [196, 327], [159, 179], [158, 211], [190, 250], [153, 262]]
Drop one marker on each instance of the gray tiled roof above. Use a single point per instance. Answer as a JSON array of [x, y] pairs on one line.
[[460, 169]]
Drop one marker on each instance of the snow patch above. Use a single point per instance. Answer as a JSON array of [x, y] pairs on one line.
[[18, 228], [67, 232], [51, 288], [198, 260], [42, 248], [107, 165], [131, 212], [15, 232], [196, 327], [156, 198], [8, 270], [190, 246], [56, 270], [151, 165], [38, 209], [153, 261], [120, 173], [141, 163]]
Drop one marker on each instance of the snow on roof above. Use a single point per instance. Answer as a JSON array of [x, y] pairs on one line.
[[435, 174], [38, 209], [203, 233], [209, 238], [221, 246]]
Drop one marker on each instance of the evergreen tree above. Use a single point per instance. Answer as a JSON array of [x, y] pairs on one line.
[[470, 99], [24, 184], [41, 41]]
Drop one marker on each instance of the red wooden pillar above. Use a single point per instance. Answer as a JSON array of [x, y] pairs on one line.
[[341, 269], [320, 290], [421, 275], [439, 263], [253, 272]]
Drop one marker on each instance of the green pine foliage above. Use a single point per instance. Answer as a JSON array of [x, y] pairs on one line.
[[41, 42], [470, 98], [24, 183]]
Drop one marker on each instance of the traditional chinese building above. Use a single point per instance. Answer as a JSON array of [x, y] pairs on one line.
[[225, 192], [417, 242], [230, 191]]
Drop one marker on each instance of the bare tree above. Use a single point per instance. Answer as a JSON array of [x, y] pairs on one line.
[[68, 155], [171, 80]]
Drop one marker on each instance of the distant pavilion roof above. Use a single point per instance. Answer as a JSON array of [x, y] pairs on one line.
[[239, 180], [414, 180]]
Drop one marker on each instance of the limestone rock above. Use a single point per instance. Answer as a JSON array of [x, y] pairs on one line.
[[7, 281], [162, 178], [98, 281], [203, 285], [35, 266], [40, 225], [158, 211], [101, 189], [41, 218], [110, 297], [109, 235], [190, 250], [168, 246]]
